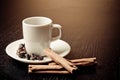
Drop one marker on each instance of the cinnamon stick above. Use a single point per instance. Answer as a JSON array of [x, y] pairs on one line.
[[79, 61], [60, 60], [51, 72], [44, 67], [85, 63], [84, 60], [47, 69]]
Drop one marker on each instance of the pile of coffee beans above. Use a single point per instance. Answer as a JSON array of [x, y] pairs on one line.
[[21, 52]]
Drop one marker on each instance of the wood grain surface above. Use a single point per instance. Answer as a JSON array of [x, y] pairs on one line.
[[91, 27]]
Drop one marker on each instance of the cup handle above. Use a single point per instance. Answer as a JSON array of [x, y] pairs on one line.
[[60, 32]]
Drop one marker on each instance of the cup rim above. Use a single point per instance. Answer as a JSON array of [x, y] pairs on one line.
[[28, 18]]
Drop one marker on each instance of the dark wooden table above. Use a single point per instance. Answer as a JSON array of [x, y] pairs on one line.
[[91, 27]]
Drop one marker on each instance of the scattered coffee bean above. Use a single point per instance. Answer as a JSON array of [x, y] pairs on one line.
[[35, 57], [32, 57], [21, 46], [27, 56], [40, 58], [21, 52]]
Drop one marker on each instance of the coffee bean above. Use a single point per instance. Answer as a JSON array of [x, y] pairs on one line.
[[21, 55], [33, 56], [27, 56], [40, 58], [36, 57], [21, 46], [21, 52]]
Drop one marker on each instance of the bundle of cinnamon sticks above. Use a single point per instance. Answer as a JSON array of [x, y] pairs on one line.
[[60, 64]]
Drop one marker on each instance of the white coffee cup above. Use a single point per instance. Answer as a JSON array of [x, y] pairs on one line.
[[37, 33]]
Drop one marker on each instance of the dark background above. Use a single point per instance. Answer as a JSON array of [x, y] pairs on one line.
[[91, 27]]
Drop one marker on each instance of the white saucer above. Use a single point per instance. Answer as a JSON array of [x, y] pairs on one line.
[[59, 46]]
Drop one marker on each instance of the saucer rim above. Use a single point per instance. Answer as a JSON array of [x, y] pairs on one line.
[[34, 61]]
